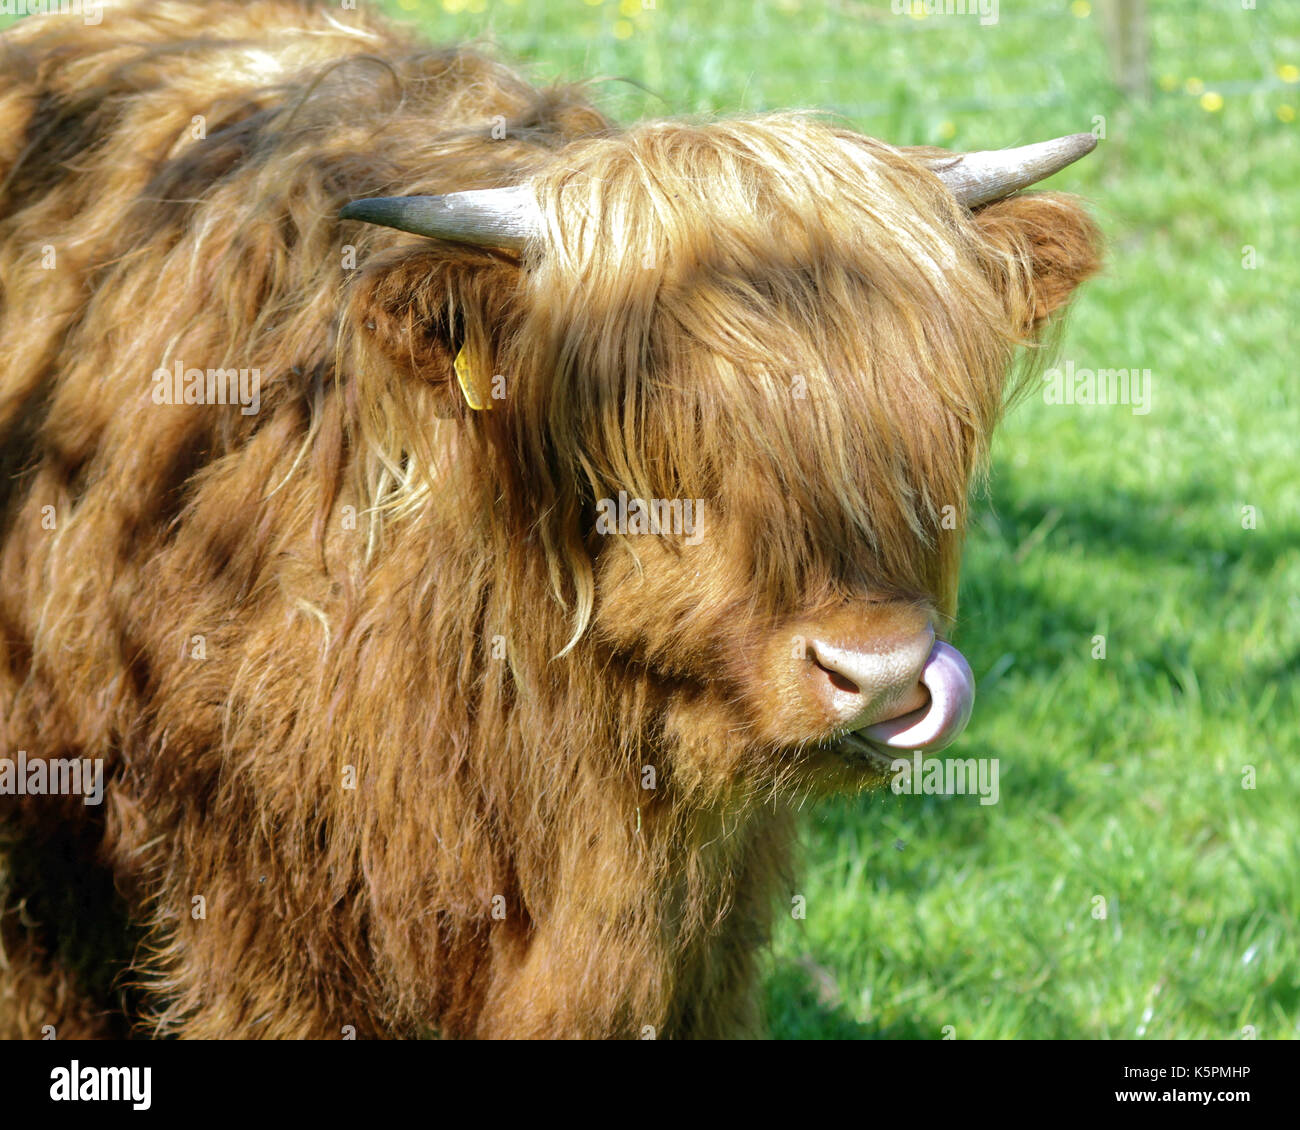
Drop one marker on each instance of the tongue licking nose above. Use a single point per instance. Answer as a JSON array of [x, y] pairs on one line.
[[947, 676], [913, 695]]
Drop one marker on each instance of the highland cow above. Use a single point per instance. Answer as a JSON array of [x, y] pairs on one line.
[[418, 708]]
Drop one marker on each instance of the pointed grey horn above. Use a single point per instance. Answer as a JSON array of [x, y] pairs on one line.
[[977, 178], [489, 217]]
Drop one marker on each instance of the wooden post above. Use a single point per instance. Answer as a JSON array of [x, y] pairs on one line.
[[1124, 24]]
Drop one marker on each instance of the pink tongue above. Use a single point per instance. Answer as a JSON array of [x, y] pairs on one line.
[[948, 678]]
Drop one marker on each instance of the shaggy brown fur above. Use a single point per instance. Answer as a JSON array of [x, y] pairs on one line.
[[375, 702]]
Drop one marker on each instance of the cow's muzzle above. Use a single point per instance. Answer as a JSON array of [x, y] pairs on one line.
[[912, 693], [951, 686]]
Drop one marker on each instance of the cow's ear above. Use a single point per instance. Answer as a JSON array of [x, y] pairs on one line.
[[416, 311], [1038, 248]]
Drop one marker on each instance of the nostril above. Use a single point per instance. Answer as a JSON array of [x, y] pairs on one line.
[[860, 686], [839, 680]]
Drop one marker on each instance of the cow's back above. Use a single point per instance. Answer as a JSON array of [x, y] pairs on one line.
[[169, 187]]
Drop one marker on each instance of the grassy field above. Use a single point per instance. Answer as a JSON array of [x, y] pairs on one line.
[[1121, 777]]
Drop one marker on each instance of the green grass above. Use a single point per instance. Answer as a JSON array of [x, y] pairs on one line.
[[1120, 777]]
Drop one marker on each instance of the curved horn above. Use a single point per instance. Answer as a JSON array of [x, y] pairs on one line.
[[489, 217], [977, 178]]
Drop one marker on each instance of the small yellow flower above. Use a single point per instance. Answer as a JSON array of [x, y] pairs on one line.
[[1212, 101], [1168, 82], [630, 8], [1081, 9], [1194, 86], [1286, 113], [1288, 72], [623, 29], [947, 131]]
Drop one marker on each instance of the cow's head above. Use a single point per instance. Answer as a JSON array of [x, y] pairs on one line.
[[789, 345]]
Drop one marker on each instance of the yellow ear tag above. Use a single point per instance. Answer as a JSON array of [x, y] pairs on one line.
[[469, 382]]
